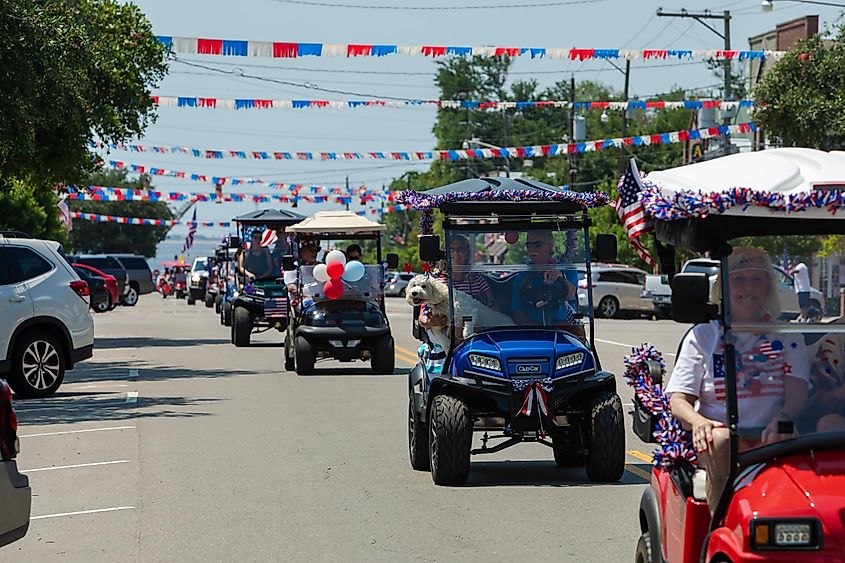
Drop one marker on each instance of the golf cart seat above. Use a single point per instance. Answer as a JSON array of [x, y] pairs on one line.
[[502, 290]]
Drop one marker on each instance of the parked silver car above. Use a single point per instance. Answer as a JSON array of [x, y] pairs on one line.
[[616, 288], [657, 289], [397, 282]]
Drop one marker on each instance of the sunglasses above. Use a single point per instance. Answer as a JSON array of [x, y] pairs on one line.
[[461, 249], [535, 243]]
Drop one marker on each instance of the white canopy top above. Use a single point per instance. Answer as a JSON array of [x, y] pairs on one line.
[[787, 171], [345, 222]]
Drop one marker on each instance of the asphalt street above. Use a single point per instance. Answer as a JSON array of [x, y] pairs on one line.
[[173, 445]]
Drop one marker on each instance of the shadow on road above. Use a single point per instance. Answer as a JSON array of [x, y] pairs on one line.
[[145, 342], [69, 410], [536, 474]]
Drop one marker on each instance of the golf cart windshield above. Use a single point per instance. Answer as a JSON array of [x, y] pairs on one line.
[[502, 277], [789, 343]]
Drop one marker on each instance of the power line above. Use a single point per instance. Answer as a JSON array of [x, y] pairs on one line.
[[437, 8]]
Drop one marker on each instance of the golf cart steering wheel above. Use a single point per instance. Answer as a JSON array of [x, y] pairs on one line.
[[542, 294]]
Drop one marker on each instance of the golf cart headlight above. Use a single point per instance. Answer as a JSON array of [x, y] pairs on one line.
[[794, 534], [485, 362], [195, 278], [569, 361]]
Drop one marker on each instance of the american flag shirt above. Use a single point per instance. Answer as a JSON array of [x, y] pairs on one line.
[[762, 363]]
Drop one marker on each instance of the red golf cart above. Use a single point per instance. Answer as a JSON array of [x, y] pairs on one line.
[[780, 383]]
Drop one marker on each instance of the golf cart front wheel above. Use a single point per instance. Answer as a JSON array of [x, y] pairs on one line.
[[226, 313], [290, 360], [564, 459], [305, 356], [209, 300], [241, 327], [384, 359], [605, 460], [450, 440], [417, 439]]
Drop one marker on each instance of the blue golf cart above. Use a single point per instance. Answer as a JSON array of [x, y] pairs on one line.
[[520, 364]]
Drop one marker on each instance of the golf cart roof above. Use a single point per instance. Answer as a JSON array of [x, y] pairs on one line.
[[270, 217], [777, 191], [505, 196], [343, 222]]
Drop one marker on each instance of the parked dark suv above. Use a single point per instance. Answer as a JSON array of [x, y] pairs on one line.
[[111, 266], [140, 275]]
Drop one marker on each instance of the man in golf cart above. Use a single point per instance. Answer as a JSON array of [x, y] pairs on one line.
[[256, 263]]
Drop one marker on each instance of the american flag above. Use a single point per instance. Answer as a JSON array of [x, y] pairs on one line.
[[631, 212], [274, 308], [192, 230], [268, 236]]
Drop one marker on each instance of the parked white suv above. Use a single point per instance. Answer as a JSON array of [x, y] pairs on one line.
[[46, 325], [616, 288]]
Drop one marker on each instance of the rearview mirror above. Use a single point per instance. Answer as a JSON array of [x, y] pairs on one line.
[[691, 299], [605, 250], [430, 248], [392, 261], [234, 241], [288, 263]]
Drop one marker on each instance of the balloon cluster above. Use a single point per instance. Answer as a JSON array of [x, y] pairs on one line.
[[335, 271]]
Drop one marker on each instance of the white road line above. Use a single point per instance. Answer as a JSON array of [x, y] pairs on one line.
[[95, 464], [77, 513], [629, 346], [77, 431], [132, 397], [133, 374]]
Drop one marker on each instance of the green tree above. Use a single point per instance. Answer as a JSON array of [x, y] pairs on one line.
[[800, 101], [94, 237], [30, 208]]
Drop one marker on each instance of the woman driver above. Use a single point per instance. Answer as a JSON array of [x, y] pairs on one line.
[[772, 371]]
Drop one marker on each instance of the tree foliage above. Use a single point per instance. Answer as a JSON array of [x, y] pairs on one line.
[[31, 208], [800, 101], [94, 237]]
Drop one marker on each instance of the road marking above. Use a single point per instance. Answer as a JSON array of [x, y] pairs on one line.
[[79, 512], [641, 456], [627, 345], [78, 431], [99, 385], [406, 353], [133, 374], [407, 359], [132, 397], [76, 466], [638, 472]]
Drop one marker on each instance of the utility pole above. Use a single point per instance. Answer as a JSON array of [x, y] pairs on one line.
[[622, 160], [346, 195], [726, 37], [507, 143], [572, 171]]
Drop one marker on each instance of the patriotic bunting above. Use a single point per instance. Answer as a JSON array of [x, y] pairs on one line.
[[534, 151], [290, 50], [250, 103], [336, 195]]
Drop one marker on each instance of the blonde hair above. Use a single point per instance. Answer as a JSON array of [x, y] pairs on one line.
[[751, 258]]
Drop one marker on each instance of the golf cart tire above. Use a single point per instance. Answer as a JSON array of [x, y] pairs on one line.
[[209, 300], [226, 313], [605, 460], [384, 359], [218, 303], [450, 440], [191, 301], [290, 362], [565, 459], [608, 307], [417, 440], [643, 549], [305, 356], [241, 327]]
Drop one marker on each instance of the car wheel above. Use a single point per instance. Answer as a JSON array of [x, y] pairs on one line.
[[38, 366], [130, 298], [305, 356], [450, 440], [384, 358], [643, 549], [226, 312], [608, 307], [241, 327], [402, 293], [417, 439], [606, 456], [103, 306], [564, 459]]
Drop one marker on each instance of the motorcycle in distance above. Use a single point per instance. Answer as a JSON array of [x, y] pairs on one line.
[[766, 482]]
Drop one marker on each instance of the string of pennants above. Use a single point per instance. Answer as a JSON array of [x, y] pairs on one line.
[[338, 195], [98, 218], [254, 103], [290, 50], [534, 151]]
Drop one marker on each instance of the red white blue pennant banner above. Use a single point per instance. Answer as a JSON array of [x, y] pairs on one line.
[[534, 151], [98, 218], [289, 50], [254, 103], [119, 194]]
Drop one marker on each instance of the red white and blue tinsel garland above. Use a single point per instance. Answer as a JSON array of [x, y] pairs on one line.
[[689, 204], [675, 442]]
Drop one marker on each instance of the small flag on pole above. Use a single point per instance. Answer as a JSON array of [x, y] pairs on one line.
[[630, 210], [192, 230]]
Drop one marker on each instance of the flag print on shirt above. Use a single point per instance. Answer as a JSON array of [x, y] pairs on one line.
[[759, 371]]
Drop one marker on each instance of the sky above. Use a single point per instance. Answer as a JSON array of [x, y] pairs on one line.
[[610, 24]]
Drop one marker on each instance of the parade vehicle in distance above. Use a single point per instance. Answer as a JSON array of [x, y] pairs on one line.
[[338, 307], [783, 499], [259, 305], [225, 255], [197, 280], [178, 287], [520, 364]]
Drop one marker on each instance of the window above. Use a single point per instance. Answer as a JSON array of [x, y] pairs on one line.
[[617, 276], [407, 277], [102, 263], [134, 263], [29, 263], [5, 272]]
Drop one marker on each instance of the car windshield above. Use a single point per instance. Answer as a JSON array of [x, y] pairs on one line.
[[199, 264], [789, 344], [523, 277]]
